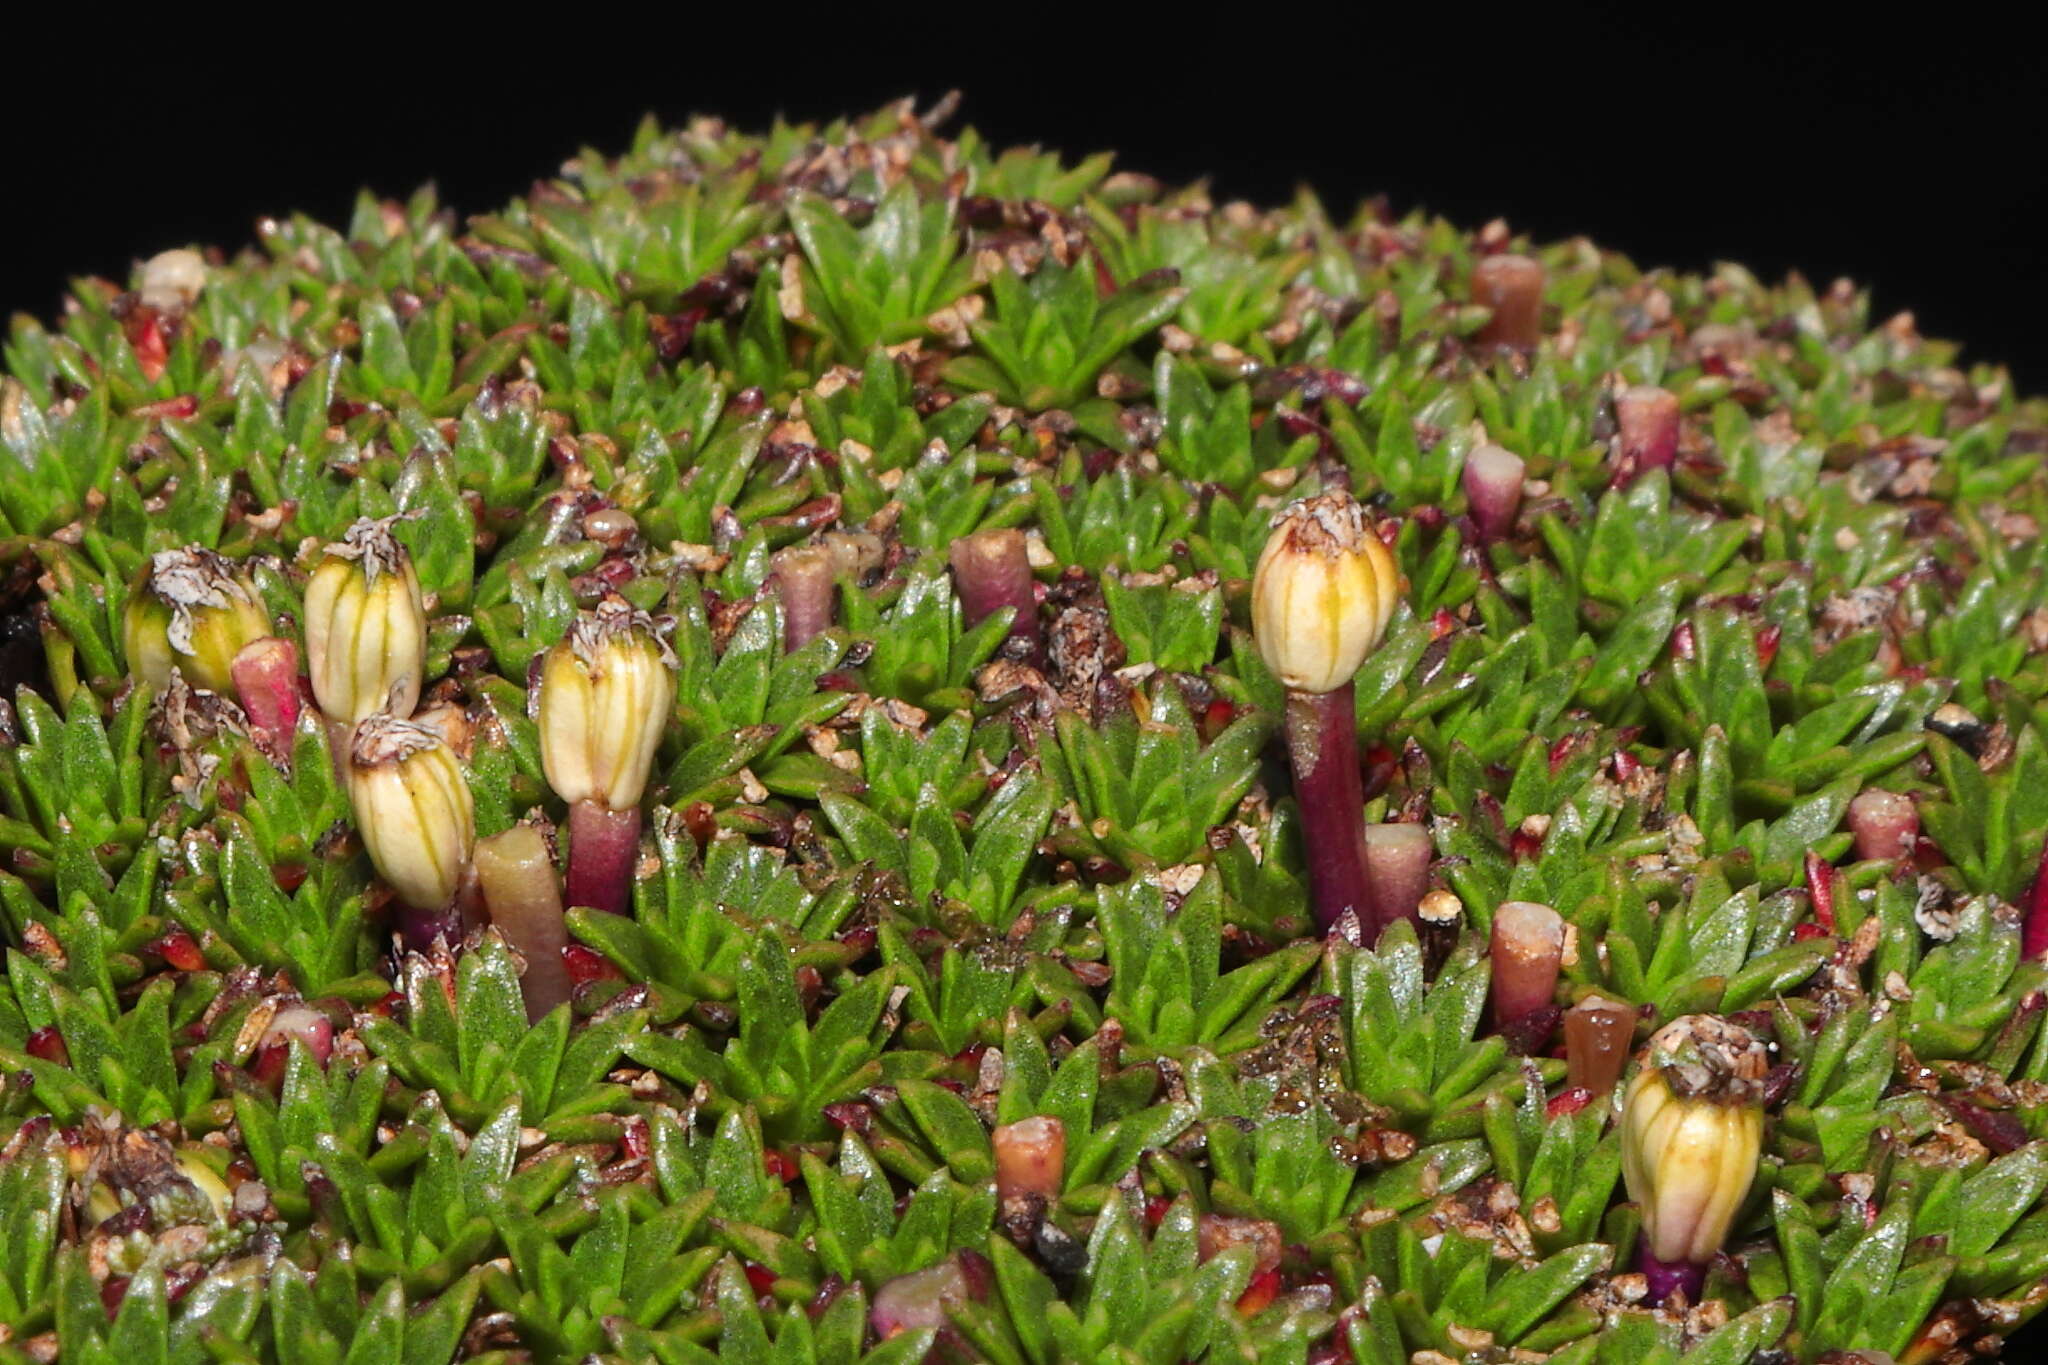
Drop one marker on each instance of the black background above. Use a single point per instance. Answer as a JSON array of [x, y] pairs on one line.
[[1911, 160]]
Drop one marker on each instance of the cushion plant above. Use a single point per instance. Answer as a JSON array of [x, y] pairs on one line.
[[824, 561]]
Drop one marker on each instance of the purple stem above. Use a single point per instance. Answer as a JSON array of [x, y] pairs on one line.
[[2034, 934], [1646, 431], [603, 846], [992, 570], [803, 580], [419, 928], [1397, 859], [1322, 745], [1671, 1277]]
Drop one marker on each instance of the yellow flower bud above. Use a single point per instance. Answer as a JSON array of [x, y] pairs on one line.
[[366, 626], [194, 612], [1323, 593], [605, 693], [413, 807], [1691, 1130]]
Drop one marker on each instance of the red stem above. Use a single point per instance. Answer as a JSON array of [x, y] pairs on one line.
[[2034, 937], [1322, 745], [604, 844], [1492, 479], [992, 570], [1598, 1034]]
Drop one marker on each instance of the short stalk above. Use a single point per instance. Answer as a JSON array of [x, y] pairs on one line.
[[1397, 859], [1528, 945], [518, 880], [1512, 286], [604, 844], [804, 584], [1671, 1277], [1646, 431], [1885, 824], [418, 929], [1492, 480], [1322, 745], [1599, 1034], [992, 570]]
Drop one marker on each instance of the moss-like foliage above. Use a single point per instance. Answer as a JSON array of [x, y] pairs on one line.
[[900, 887]]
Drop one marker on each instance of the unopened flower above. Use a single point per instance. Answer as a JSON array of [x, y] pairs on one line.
[[193, 610], [605, 693], [366, 626], [1691, 1131], [413, 807], [1323, 593]]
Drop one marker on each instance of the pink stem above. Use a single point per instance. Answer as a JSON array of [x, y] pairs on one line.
[[1885, 824], [1646, 431], [803, 582], [1512, 286], [1031, 1158], [1671, 1277], [1598, 1034], [518, 879], [1493, 489], [1528, 944], [604, 844], [1397, 859], [266, 674], [992, 570], [1322, 744]]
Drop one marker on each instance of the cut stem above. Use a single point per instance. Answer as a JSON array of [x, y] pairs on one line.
[[1397, 859], [1528, 944], [1512, 286], [804, 583], [1646, 431], [1885, 824], [1492, 479], [604, 844], [518, 880], [1598, 1035], [1031, 1158], [1322, 746], [992, 570]]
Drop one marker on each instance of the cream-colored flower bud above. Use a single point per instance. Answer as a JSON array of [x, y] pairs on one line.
[[605, 693], [193, 611], [1691, 1130], [366, 626], [172, 280], [1323, 593], [413, 807]]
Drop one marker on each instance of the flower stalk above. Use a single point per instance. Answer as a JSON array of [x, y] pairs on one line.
[[1322, 595], [517, 877], [1884, 824], [992, 570], [1492, 479], [1646, 431], [1691, 1132], [604, 698], [1397, 859], [366, 626], [804, 584], [1598, 1035], [1512, 286], [1527, 949]]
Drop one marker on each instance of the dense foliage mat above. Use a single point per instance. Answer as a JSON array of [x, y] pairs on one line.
[[922, 876]]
